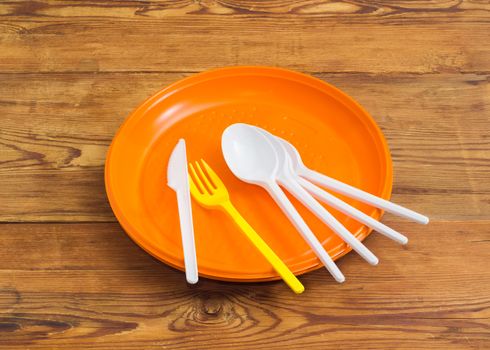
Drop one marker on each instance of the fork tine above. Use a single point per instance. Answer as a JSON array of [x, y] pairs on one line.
[[195, 191], [195, 180], [212, 175], [204, 178]]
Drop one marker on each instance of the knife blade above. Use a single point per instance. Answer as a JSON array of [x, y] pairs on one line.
[[178, 180]]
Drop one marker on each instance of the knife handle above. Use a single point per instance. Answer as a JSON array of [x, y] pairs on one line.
[[187, 233]]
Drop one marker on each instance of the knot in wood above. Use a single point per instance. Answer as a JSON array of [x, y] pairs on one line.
[[211, 306]]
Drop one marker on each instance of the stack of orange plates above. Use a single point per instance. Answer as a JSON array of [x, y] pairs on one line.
[[333, 133]]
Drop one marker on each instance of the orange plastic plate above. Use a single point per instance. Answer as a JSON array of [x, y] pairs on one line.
[[332, 132]]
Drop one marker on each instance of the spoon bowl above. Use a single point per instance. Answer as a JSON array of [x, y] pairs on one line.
[[249, 154], [283, 161], [294, 157]]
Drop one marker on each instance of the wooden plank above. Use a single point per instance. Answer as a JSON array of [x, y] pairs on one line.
[[315, 36], [468, 11], [105, 246], [70, 72], [87, 286], [55, 130]]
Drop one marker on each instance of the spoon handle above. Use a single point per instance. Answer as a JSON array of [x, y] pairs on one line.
[[365, 197], [328, 219], [293, 215], [345, 208]]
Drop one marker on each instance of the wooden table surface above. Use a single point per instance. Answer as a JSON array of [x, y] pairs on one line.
[[71, 71]]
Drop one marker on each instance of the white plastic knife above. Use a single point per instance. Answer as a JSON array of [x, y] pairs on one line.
[[178, 180]]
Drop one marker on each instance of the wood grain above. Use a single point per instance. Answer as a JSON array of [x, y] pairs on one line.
[[55, 130], [73, 286], [343, 10], [313, 36], [71, 71]]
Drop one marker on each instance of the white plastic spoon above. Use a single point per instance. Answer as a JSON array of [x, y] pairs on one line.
[[350, 191], [358, 215], [288, 179], [252, 158], [333, 201]]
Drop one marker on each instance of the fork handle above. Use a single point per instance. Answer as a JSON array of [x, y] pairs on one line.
[[266, 251]]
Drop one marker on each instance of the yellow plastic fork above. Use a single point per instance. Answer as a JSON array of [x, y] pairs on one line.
[[209, 191]]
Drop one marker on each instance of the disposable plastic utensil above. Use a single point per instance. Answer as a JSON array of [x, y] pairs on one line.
[[252, 158], [350, 191], [209, 191], [330, 199], [177, 179], [288, 179], [345, 208]]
